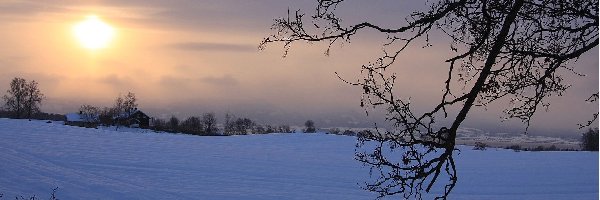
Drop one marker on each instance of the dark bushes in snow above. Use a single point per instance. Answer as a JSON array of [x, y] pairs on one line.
[[589, 140]]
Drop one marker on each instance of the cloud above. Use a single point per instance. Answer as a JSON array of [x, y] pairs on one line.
[[225, 80], [182, 83], [204, 46], [174, 82], [115, 81], [25, 9]]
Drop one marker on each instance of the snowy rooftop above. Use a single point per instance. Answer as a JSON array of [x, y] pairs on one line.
[[74, 117]]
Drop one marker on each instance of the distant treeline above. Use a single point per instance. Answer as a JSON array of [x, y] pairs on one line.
[[517, 148], [24, 98], [206, 125], [37, 116]]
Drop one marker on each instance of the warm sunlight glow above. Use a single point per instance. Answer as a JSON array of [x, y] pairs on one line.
[[93, 33]]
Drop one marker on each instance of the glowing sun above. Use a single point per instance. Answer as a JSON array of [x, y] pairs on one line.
[[93, 33]]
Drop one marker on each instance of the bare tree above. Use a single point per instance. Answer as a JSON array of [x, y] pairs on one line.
[[517, 50], [15, 97], [192, 125], [229, 126], [23, 99], [242, 125], [107, 116], [209, 122], [129, 103], [237, 126], [173, 124], [593, 98], [258, 129], [158, 124], [123, 108], [34, 99], [310, 126], [89, 113], [589, 140], [284, 129], [125, 105]]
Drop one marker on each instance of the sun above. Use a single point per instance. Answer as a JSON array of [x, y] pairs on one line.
[[93, 33]]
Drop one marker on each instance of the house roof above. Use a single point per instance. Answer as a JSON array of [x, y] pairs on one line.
[[74, 117], [127, 115], [140, 113]]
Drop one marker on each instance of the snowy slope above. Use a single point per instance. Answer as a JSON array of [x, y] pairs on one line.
[[103, 164]]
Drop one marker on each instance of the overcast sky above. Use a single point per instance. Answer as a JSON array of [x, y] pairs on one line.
[[184, 58]]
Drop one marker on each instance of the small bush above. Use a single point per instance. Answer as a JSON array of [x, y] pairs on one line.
[[552, 148], [480, 146], [349, 133], [515, 148], [335, 131], [310, 127]]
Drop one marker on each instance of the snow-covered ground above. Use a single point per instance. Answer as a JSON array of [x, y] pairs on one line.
[[104, 164]]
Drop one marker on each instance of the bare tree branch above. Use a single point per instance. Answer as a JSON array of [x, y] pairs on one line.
[[515, 50]]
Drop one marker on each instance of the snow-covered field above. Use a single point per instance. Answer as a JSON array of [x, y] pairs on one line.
[[103, 164]]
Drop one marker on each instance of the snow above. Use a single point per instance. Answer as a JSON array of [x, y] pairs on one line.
[[85, 163]]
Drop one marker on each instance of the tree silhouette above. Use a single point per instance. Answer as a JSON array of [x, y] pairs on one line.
[[123, 108], [589, 140], [89, 113], [209, 122], [23, 99], [310, 126], [192, 125], [125, 105], [516, 50]]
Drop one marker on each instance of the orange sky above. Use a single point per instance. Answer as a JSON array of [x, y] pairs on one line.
[[188, 57]]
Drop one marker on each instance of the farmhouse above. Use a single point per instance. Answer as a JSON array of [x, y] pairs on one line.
[[78, 119], [136, 119]]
